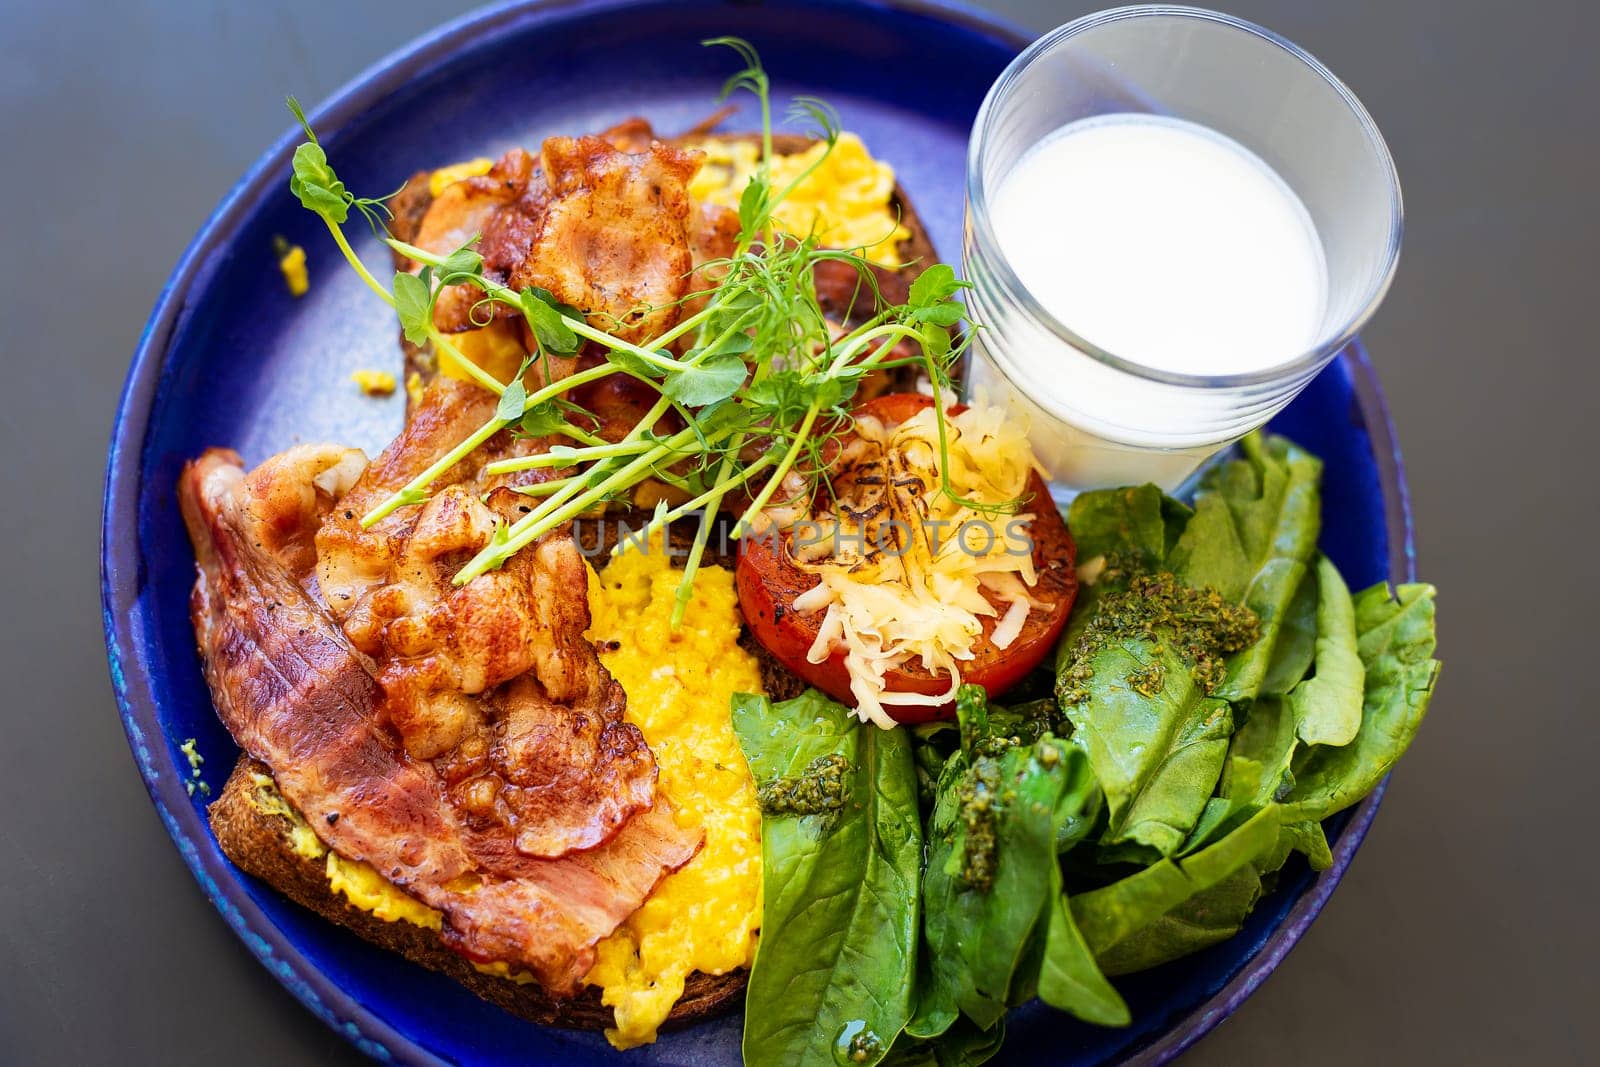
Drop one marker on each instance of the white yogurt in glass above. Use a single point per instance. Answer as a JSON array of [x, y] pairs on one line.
[[1175, 220], [1164, 242]]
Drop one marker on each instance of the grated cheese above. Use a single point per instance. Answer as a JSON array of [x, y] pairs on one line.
[[908, 574]]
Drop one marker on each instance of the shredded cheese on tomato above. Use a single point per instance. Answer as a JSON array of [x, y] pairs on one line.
[[909, 573]]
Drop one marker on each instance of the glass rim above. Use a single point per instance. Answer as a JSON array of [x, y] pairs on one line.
[[1309, 360]]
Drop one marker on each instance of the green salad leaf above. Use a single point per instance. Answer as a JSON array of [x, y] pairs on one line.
[[1209, 916], [1272, 764], [962, 1045], [1396, 643], [1327, 706], [1138, 525], [839, 887], [1296, 646], [1219, 693], [1113, 916], [1150, 708], [994, 927], [1209, 788], [1252, 538], [1069, 976], [1259, 756], [1156, 757]]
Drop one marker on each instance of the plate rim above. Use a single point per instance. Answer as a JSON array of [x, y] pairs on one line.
[[121, 574]]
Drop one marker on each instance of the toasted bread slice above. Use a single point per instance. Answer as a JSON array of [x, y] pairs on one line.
[[262, 843], [837, 287]]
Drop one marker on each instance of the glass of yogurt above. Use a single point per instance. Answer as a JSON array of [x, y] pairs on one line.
[[1175, 219]]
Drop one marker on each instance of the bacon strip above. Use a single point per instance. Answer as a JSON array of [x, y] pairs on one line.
[[494, 680], [296, 695]]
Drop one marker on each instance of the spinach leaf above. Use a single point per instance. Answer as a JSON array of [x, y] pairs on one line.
[[1245, 790], [1109, 916], [839, 890], [1396, 643], [1252, 537], [963, 1045], [1137, 526], [1258, 777], [1069, 977], [1269, 767], [1266, 743], [1297, 641], [1077, 820], [1156, 741], [977, 937], [1327, 706], [991, 874], [1210, 916], [1117, 532], [1157, 757], [1304, 836]]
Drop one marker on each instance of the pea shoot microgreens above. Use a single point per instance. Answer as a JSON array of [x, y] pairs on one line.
[[762, 366]]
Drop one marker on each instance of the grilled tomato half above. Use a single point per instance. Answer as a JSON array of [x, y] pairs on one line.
[[901, 602]]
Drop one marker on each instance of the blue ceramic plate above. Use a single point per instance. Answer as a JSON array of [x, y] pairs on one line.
[[228, 358]]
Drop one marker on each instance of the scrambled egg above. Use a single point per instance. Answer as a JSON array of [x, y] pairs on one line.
[[845, 200], [444, 177], [360, 882], [293, 265], [374, 382], [497, 348], [705, 917], [196, 781]]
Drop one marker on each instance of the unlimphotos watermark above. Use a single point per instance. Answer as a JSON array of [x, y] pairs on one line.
[[979, 538]]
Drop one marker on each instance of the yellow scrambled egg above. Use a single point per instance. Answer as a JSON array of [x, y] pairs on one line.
[[293, 265], [497, 348], [444, 177], [374, 382], [845, 201], [704, 917], [360, 883]]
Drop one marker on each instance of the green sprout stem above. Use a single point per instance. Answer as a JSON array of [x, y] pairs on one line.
[[566, 458], [546, 488], [784, 466], [465, 365], [523, 532], [444, 463], [355, 261]]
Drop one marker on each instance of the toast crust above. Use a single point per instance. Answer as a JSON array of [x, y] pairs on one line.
[[258, 843]]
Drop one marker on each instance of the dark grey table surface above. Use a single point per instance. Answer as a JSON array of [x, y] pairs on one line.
[[1466, 929]]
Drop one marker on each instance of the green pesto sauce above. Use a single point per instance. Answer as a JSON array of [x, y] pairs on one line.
[[1150, 679], [1197, 624], [820, 789], [979, 798]]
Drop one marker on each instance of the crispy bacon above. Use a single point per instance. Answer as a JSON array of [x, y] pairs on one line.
[[614, 242], [297, 695], [603, 226], [548, 756], [504, 209]]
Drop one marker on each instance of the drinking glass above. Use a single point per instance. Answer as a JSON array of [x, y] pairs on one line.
[[1099, 418]]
